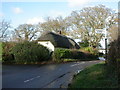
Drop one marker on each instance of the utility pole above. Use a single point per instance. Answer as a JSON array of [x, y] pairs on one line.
[[106, 50], [105, 44]]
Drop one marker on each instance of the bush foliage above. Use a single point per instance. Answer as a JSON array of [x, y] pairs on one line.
[[85, 43], [7, 56], [114, 57], [30, 52], [24, 52], [61, 53], [114, 53], [91, 50]]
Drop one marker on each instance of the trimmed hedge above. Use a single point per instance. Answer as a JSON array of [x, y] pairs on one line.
[[30, 52], [60, 53], [91, 50]]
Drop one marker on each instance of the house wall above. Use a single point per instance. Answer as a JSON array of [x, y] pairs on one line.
[[47, 44], [102, 51]]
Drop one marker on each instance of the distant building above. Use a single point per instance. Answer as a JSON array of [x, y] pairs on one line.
[[102, 51], [52, 40]]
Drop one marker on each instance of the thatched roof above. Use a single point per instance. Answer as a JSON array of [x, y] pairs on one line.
[[59, 41]]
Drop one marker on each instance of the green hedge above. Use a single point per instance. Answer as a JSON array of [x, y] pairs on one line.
[[30, 52], [114, 53], [24, 52], [91, 50], [7, 56], [61, 53]]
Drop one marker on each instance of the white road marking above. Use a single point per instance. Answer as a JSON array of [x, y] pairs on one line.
[[77, 64], [31, 79], [90, 61], [82, 62], [74, 65]]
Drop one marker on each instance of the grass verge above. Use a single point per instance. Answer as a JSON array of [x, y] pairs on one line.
[[96, 76]]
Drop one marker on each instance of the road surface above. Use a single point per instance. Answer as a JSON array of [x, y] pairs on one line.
[[46, 76]]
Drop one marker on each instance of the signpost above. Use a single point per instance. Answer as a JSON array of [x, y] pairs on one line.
[[105, 32]]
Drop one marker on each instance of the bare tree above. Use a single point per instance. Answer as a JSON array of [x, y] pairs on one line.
[[57, 25], [86, 21], [26, 32], [113, 33], [4, 27]]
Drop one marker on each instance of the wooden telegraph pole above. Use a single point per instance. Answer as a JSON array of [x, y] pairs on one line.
[[105, 50]]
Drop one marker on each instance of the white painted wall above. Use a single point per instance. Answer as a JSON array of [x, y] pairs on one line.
[[102, 51], [47, 44]]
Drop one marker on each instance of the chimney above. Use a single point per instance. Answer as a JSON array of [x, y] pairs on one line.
[[60, 32]]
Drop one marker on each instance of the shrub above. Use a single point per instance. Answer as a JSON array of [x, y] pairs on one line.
[[114, 53], [85, 43], [30, 52], [7, 56], [114, 57], [61, 53], [76, 54], [90, 56], [101, 54], [91, 50]]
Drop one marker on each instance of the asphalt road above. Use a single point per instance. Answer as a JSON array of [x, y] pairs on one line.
[[46, 76]]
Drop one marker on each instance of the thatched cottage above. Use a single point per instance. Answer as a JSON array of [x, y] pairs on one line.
[[53, 40]]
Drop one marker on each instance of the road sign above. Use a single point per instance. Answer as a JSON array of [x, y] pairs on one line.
[[99, 30]]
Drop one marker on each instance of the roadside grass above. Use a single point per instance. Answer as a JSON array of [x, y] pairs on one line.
[[70, 60], [75, 60], [96, 76]]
